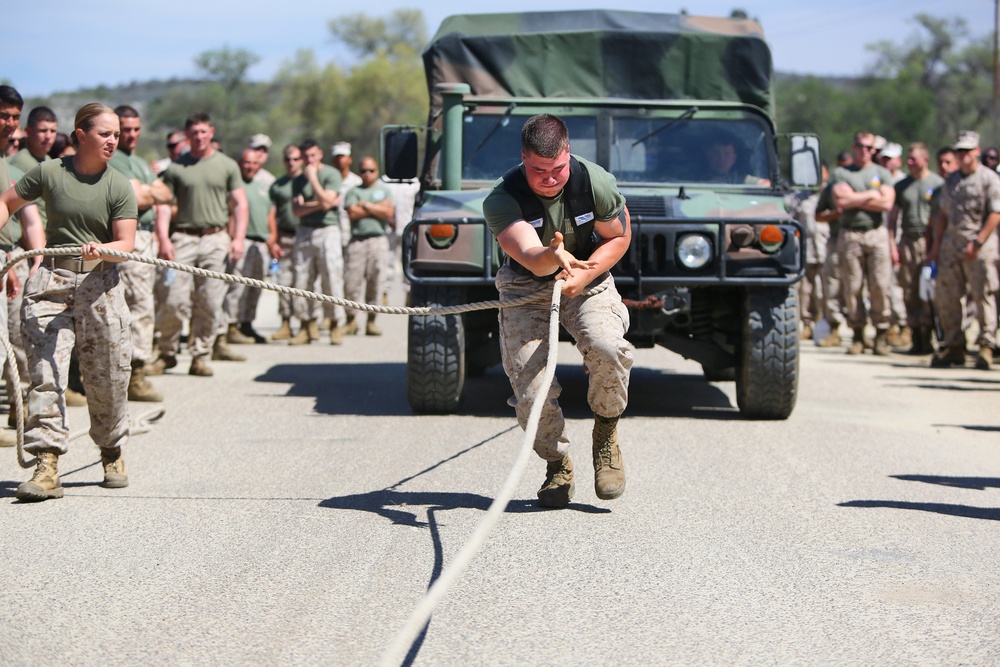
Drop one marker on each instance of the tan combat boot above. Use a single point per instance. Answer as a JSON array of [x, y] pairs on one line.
[[858, 344], [302, 337], [162, 363], [894, 336], [284, 331], [115, 476], [905, 337], [139, 388], [75, 399], [221, 351], [557, 489], [236, 337], [807, 331], [949, 356], [349, 328], [8, 437], [833, 340], [201, 368], [44, 484], [882, 346], [984, 360], [372, 329], [609, 471]]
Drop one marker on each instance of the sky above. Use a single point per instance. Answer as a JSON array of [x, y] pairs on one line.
[[73, 44]]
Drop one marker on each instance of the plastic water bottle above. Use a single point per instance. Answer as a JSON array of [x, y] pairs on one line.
[[168, 277], [273, 269], [926, 287]]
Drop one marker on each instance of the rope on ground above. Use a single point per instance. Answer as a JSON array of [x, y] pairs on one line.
[[420, 616], [418, 619]]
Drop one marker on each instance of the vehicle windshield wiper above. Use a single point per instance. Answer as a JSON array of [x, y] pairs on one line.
[[684, 116], [501, 121]]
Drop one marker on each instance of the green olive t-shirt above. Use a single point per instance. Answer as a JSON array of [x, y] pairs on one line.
[[501, 210], [80, 208]]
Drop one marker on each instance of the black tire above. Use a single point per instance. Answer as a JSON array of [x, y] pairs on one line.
[[435, 366], [768, 376]]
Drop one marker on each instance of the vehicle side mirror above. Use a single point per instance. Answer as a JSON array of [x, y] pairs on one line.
[[804, 162], [400, 152]]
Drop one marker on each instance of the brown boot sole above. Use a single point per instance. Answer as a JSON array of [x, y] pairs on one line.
[[115, 482], [612, 494], [557, 497], [29, 492]]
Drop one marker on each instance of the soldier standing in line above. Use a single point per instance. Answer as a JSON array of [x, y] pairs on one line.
[[370, 209], [11, 237], [864, 193], [912, 212], [833, 298], [153, 199], [282, 243], [240, 305], [802, 206], [966, 253], [204, 181]]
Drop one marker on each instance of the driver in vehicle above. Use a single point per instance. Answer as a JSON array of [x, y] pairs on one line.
[[724, 164]]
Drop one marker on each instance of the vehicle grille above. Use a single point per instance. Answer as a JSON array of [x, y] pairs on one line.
[[646, 206]]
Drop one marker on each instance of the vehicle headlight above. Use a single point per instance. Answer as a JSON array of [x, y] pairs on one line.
[[694, 250]]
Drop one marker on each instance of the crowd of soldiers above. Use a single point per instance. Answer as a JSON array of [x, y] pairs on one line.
[[910, 254], [316, 227]]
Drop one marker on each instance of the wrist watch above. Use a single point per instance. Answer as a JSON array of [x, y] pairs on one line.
[[977, 244]]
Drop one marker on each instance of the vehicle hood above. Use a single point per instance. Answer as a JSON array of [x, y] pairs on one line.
[[644, 203]]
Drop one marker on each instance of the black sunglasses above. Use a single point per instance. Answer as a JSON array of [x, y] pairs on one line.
[[368, 171]]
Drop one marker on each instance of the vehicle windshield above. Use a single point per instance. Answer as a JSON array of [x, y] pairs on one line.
[[491, 144], [642, 150], [730, 151]]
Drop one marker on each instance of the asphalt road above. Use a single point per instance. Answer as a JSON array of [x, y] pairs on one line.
[[292, 511]]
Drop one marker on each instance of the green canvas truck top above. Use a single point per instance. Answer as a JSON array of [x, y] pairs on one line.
[[602, 54]]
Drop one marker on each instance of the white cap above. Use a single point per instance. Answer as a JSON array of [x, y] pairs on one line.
[[892, 150], [260, 141], [341, 148]]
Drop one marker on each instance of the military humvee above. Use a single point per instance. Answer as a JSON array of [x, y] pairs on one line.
[[677, 108]]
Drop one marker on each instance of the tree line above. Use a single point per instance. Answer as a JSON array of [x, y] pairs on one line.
[[926, 87]]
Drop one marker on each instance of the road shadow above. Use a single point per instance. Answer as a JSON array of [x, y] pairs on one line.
[[970, 427], [379, 389], [966, 511], [977, 483]]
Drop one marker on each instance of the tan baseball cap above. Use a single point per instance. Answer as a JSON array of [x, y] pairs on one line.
[[967, 140], [341, 148], [260, 141]]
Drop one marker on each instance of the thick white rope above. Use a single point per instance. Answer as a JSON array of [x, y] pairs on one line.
[[14, 378], [396, 652], [400, 646]]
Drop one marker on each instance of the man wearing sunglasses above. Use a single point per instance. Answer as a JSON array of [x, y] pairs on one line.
[[965, 249], [864, 193]]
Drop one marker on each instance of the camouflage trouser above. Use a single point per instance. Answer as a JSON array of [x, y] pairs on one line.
[[809, 293], [240, 304], [318, 252], [139, 281], [833, 299], [364, 269], [202, 295], [865, 255], [61, 310], [957, 277], [13, 319], [286, 273], [912, 257], [597, 323]]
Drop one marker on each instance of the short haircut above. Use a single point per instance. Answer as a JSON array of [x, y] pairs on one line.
[[545, 135], [41, 115], [10, 97], [919, 147], [197, 118], [307, 144], [845, 157], [862, 133], [944, 150], [126, 111]]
